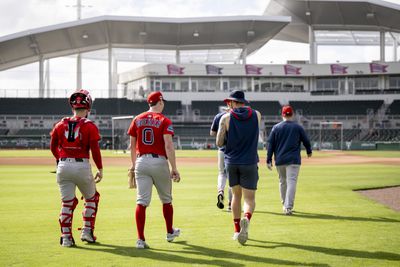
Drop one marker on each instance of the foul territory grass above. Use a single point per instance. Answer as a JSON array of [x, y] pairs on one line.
[[332, 226]]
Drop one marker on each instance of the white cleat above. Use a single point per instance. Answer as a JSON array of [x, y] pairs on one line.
[[235, 235], [244, 228], [141, 244], [287, 211], [175, 233], [67, 241], [87, 235]]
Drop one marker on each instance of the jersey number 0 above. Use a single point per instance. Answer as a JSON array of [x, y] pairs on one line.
[[147, 136]]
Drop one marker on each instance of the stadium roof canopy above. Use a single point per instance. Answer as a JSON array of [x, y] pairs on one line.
[[238, 36], [337, 22]]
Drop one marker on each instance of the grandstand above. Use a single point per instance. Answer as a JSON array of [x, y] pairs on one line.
[[196, 74]]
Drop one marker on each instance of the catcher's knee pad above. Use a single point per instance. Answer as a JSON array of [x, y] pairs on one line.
[[66, 216], [90, 211]]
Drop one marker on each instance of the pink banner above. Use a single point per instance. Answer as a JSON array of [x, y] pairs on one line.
[[251, 69], [174, 69], [377, 68], [338, 69], [289, 69], [211, 69]]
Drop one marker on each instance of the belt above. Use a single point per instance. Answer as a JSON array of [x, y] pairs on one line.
[[73, 159], [148, 155]]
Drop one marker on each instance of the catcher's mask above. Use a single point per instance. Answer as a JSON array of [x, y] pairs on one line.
[[80, 99]]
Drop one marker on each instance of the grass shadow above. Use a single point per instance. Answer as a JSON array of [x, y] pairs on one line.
[[218, 257], [380, 255], [320, 216]]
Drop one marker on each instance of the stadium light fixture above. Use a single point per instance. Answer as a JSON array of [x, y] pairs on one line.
[[142, 33], [196, 34], [308, 13], [85, 36]]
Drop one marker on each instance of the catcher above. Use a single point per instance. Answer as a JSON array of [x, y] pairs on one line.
[[71, 140]]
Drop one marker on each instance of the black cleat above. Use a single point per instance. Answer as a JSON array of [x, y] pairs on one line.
[[220, 201]]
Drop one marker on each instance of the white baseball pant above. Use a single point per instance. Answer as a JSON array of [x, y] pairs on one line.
[[287, 183]]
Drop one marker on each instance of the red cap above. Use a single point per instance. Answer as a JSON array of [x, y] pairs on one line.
[[155, 97], [287, 111]]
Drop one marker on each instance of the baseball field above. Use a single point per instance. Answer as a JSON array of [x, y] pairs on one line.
[[333, 225]]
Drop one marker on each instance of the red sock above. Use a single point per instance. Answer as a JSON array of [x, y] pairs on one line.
[[168, 212], [248, 215], [236, 223], [140, 220]]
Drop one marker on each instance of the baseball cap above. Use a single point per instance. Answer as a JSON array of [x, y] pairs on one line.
[[287, 111], [155, 97], [237, 96]]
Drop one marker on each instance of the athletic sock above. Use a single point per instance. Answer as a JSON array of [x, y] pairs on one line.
[[236, 223], [140, 220], [248, 215], [168, 211]]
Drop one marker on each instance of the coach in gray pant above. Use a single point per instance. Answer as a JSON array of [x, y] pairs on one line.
[[285, 142]]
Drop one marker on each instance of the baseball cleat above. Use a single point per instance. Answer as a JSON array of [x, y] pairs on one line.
[[141, 244], [229, 209], [244, 228], [87, 235], [287, 211], [67, 241], [175, 233], [220, 201], [235, 235]]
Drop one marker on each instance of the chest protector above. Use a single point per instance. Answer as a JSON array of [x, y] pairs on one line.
[[72, 137]]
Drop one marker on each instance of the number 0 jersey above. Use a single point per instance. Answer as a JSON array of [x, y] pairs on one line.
[[73, 137], [149, 128]]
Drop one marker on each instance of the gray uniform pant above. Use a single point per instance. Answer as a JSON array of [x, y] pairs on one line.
[[72, 174], [287, 183], [149, 171]]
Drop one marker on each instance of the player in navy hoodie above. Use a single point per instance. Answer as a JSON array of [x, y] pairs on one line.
[[239, 131]]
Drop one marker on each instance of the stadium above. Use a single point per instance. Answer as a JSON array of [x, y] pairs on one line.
[[350, 111], [197, 61]]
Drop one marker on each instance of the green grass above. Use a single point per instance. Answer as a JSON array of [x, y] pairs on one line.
[[332, 226]]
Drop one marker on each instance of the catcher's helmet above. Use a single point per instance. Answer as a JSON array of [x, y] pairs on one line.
[[81, 99]]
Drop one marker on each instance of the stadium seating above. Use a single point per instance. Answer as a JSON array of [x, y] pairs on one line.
[[122, 106], [382, 135], [267, 108], [35, 132], [394, 108], [4, 131], [206, 108], [34, 106], [336, 107]]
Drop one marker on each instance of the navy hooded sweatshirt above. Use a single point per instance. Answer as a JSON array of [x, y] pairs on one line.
[[242, 137]]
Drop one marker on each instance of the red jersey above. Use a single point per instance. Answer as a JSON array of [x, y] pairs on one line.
[[149, 129], [72, 137]]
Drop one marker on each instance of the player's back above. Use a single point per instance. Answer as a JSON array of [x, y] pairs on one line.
[[149, 128]]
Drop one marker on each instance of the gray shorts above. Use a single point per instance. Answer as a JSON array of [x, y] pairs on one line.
[[244, 175]]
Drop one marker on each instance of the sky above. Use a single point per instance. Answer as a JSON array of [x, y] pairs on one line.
[[16, 16]]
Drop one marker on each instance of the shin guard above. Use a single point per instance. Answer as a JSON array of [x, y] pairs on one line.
[[90, 211], [66, 215]]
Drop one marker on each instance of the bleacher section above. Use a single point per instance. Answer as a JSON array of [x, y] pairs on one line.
[[331, 135], [34, 132], [336, 107], [34, 106], [394, 108], [125, 107], [382, 135], [270, 108], [211, 108], [207, 108]]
